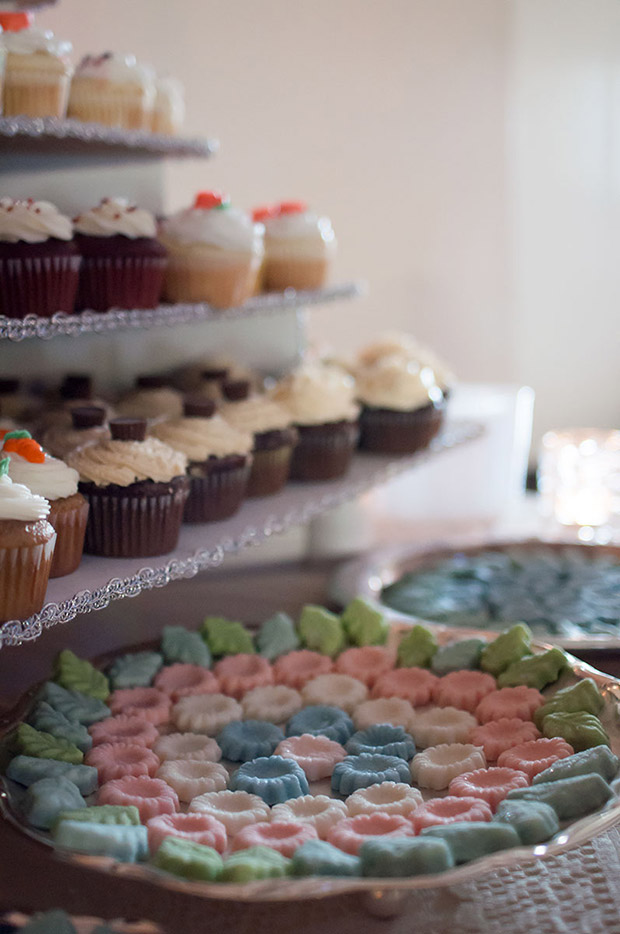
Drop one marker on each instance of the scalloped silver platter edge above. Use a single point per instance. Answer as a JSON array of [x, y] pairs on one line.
[[374, 889], [368, 575]]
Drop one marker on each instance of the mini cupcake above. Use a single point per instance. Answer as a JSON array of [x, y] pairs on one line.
[[398, 344], [53, 479], [38, 70], [88, 425], [274, 436], [136, 488], [39, 262], [122, 262], [26, 548], [214, 253], [321, 403], [152, 399], [402, 405], [15, 401], [299, 246], [75, 391], [113, 89], [169, 109], [219, 459]]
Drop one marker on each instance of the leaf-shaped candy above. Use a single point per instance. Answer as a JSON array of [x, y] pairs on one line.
[[76, 674]]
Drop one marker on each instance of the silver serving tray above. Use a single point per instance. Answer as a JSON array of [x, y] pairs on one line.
[[381, 896], [368, 575]]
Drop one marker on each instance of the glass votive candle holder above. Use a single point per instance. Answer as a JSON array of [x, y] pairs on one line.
[[579, 481]]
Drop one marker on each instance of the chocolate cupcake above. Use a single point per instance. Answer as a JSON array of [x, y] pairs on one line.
[[219, 459], [39, 262], [88, 425], [153, 398], [320, 401], [136, 488], [274, 436], [75, 391], [122, 263]]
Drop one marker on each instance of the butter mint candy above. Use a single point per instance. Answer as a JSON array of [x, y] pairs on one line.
[[320, 630], [249, 739], [535, 671], [569, 797], [42, 745], [78, 707], [46, 798], [25, 770], [404, 856], [382, 739], [581, 696], [363, 624], [417, 648], [127, 843], [180, 645], [273, 778], [580, 730], [277, 636], [322, 720], [362, 771], [599, 759], [257, 862], [124, 814], [135, 670], [469, 840], [77, 674], [189, 860], [320, 858], [509, 647], [45, 718], [534, 821], [458, 655], [226, 637]]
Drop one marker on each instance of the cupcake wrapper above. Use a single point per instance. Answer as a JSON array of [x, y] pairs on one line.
[[138, 523], [120, 282], [70, 526], [291, 273], [24, 573], [41, 95], [223, 285], [270, 471], [117, 108], [218, 493], [324, 452], [386, 431], [38, 285]]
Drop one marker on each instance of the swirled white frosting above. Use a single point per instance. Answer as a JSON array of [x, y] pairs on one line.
[[59, 440], [118, 68], [116, 216], [315, 394], [18, 502], [125, 462], [151, 403], [397, 383], [304, 234], [32, 39], [170, 99], [200, 438], [52, 479], [227, 228], [256, 414], [32, 222], [397, 344]]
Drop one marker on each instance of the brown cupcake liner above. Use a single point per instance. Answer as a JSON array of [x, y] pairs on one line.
[[24, 573], [217, 488], [120, 282], [324, 452], [270, 470], [388, 431], [43, 285], [141, 520], [70, 525]]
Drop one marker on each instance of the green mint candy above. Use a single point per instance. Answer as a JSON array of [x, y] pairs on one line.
[[226, 636], [41, 745], [581, 696], [416, 648], [509, 647], [320, 630], [363, 624], [580, 730], [179, 645], [76, 674], [535, 671], [189, 860]]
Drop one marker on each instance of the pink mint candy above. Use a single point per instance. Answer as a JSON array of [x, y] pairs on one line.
[[124, 728], [498, 735], [114, 760], [240, 673], [491, 785], [317, 755], [518, 702], [199, 828], [151, 796], [535, 756], [349, 834], [412, 684], [449, 810], [283, 836], [297, 668], [148, 703], [366, 663], [181, 679], [463, 689]]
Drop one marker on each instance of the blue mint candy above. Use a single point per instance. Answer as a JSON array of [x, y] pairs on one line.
[[534, 821], [45, 718], [46, 798], [569, 797], [274, 779], [127, 843], [77, 707], [135, 670], [322, 720], [469, 840], [320, 858], [400, 857], [277, 636], [362, 771], [181, 645], [242, 740], [25, 770], [382, 739], [458, 655], [599, 759]]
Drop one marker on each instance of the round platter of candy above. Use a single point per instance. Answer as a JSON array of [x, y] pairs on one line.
[[567, 593], [330, 754]]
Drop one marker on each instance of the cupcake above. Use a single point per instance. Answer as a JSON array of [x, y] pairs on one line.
[[402, 405], [75, 391], [53, 479], [39, 262], [88, 425], [397, 344], [16, 402], [152, 399], [169, 110], [321, 403], [214, 253], [272, 431], [113, 89], [219, 459], [38, 70], [299, 246], [136, 488], [26, 548], [122, 262]]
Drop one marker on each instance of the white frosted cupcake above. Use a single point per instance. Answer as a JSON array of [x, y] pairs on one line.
[[153, 399], [169, 109], [37, 75], [299, 246], [113, 89], [214, 253], [405, 346]]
